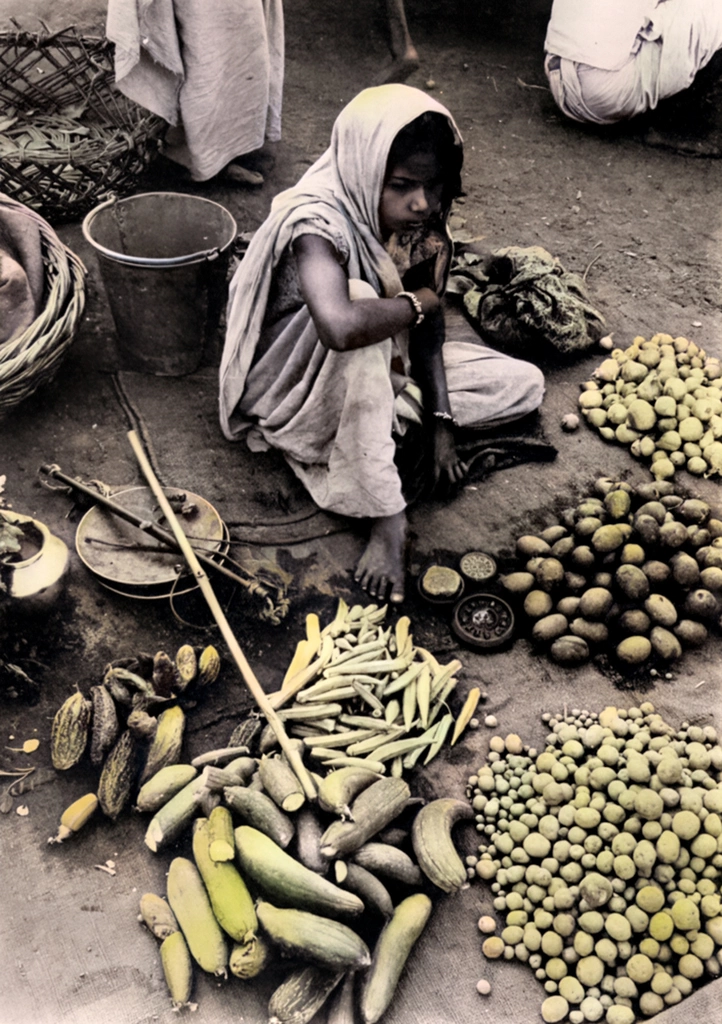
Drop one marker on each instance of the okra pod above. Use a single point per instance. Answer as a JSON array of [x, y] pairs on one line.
[[441, 678], [430, 659], [357, 652], [377, 666], [399, 747], [465, 715], [402, 680], [335, 626], [364, 722], [392, 712], [337, 693], [408, 703], [368, 697], [340, 739], [370, 743], [313, 629], [440, 735], [300, 713], [423, 694], [346, 761]]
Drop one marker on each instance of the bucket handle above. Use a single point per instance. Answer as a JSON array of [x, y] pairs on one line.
[[207, 255]]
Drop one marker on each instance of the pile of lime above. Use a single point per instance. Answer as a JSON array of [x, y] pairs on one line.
[[604, 855]]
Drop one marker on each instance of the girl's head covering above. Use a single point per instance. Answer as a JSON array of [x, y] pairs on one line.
[[341, 194], [354, 165]]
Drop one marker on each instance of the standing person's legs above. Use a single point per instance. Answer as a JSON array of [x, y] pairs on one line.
[[406, 57]]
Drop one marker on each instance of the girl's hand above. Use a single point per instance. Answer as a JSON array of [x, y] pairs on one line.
[[448, 468]]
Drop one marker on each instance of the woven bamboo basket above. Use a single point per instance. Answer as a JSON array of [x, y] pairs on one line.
[[33, 358], [68, 138]]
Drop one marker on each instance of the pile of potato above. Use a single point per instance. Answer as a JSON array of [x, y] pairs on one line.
[[635, 572], [604, 855], [663, 399]]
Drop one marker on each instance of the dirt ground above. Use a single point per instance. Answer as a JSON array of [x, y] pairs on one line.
[[642, 223]]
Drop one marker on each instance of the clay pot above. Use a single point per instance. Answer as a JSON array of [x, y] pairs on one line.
[[34, 577]]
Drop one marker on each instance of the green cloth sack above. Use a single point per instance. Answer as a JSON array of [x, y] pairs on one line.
[[521, 300]]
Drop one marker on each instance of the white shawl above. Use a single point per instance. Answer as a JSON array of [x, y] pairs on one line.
[[342, 190]]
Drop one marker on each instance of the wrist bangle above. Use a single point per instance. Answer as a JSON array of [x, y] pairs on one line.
[[414, 300], [439, 415]]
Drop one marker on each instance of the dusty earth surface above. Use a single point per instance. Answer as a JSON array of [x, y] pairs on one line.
[[640, 222]]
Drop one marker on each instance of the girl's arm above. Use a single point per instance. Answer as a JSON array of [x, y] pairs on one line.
[[344, 324], [427, 366]]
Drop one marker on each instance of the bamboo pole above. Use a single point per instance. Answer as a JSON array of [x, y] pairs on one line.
[[294, 758]]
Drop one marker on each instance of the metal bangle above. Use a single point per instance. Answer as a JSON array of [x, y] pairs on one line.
[[439, 415], [415, 302]]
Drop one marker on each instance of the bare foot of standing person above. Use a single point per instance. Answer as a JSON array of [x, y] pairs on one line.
[[382, 565], [406, 57]]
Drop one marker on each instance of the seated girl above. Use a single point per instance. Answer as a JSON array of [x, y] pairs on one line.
[[336, 332]]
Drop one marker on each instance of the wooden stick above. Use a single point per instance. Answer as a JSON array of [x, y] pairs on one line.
[[204, 583]]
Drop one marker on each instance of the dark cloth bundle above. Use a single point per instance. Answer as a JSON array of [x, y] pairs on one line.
[[523, 299]]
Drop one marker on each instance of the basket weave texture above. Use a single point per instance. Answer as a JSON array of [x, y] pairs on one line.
[[33, 358], [68, 138]]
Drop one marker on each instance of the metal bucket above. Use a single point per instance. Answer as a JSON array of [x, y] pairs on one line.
[[163, 260]]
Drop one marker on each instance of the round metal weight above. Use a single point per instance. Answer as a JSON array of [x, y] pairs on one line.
[[450, 578], [483, 620], [477, 566], [131, 563]]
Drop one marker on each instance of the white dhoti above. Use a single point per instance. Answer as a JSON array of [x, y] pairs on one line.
[[680, 39], [332, 414]]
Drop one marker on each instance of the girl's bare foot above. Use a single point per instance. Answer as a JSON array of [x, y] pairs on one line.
[[381, 567]]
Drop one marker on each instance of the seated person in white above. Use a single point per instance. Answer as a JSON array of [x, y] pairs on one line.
[[608, 60]]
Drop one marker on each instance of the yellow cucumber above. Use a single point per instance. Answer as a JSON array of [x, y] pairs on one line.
[[171, 820], [166, 782], [302, 994], [75, 816], [282, 878], [372, 810], [190, 903], [261, 812], [156, 914], [177, 969], [248, 959], [340, 787], [390, 861], [312, 937], [221, 844], [392, 950], [342, 1008], [280, 782], [308, 840], [433, 844], [230, 899], [369, 888]]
